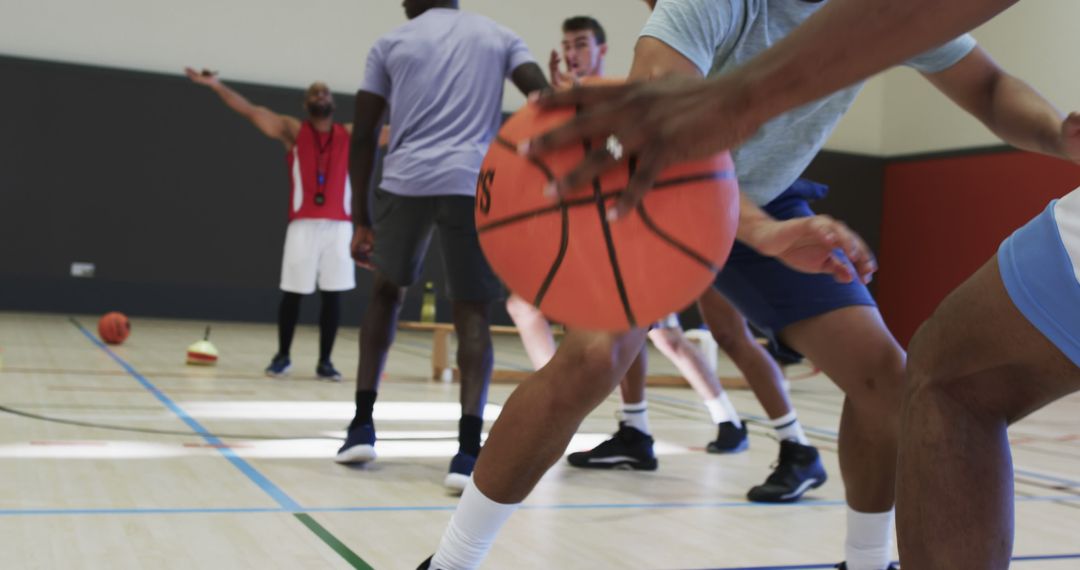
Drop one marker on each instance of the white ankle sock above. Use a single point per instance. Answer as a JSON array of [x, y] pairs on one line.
[[637, 416], [788, 427], [721, 410], [471, 531], [869, 540]]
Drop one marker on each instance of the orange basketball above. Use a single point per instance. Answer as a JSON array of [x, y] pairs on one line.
[[578, 268], [114, 328]]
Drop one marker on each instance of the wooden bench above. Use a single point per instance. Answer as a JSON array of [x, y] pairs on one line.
[[444, 371]]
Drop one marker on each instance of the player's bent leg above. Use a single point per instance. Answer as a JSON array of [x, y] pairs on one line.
[[475, 360], [731, 435], [976, 366], [544, 412], [376, 337], [288, 316], [732, 335], [852, 346], [631, 446]]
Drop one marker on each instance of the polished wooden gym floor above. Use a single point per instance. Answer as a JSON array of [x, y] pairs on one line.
[[127, 458]]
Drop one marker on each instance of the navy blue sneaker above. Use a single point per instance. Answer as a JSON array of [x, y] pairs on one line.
[[326, 371], [279, 366], [798, 470], [729, 439], [359, 445], [843, 566], [461, 467]]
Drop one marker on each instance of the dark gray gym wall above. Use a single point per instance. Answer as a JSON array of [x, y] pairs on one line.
[[181, 204]]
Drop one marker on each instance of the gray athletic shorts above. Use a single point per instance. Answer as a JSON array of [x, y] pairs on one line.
[[403, 229]]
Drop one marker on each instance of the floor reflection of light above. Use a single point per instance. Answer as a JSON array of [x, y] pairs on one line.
[[282, 410], [91, 450], [391, 444]]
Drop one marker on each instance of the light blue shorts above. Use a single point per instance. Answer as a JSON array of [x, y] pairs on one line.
[[1040, 265]]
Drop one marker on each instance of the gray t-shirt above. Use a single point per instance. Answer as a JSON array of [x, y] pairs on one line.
[[442, 74], [720, 35]]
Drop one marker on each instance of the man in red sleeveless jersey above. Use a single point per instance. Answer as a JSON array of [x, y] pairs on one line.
[[320, 202]]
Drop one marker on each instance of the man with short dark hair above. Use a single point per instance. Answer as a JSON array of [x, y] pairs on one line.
[[584, 46], [317, 240]]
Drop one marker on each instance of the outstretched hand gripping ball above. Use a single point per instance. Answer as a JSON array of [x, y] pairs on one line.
[[580, 269]]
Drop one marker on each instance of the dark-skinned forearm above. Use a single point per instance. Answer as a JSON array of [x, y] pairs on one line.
[[848, 41], [362, 154]]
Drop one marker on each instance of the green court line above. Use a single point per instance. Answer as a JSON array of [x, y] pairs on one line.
[[333, 542]]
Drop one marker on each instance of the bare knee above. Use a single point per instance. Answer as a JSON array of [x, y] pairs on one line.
[[594, 366], [732, 337], [876, 382], [927, 377], [386, 292]]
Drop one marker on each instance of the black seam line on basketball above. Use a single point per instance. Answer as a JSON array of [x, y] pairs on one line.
[[613, 258], [536, 161], [564, 244], [664, 236], [578, 202]]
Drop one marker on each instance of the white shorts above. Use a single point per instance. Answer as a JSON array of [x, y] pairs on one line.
[[318, 251]]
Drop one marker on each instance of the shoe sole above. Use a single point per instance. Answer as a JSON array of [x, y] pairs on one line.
[[621, 465], [278, 374], [786, 498], [356, 454], [329, 378], [456, 481], [716, 449]]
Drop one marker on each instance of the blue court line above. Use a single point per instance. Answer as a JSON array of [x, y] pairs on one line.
[[275, 492], [448, 508], [833, 564], [1050, 478]]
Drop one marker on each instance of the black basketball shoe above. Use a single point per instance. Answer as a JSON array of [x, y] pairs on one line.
[[798, 470], [729, 439], [629, 448]]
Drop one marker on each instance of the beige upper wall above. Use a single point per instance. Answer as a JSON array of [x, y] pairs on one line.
[[289, 43], [1035, 41], [275, 42]]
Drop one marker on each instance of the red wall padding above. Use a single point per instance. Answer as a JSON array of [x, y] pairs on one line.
[[944, 217]]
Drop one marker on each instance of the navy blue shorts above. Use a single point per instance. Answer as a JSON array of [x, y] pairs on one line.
[[770, 294]]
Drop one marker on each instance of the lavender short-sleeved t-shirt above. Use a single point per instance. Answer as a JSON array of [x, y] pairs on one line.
[[442, 74]]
